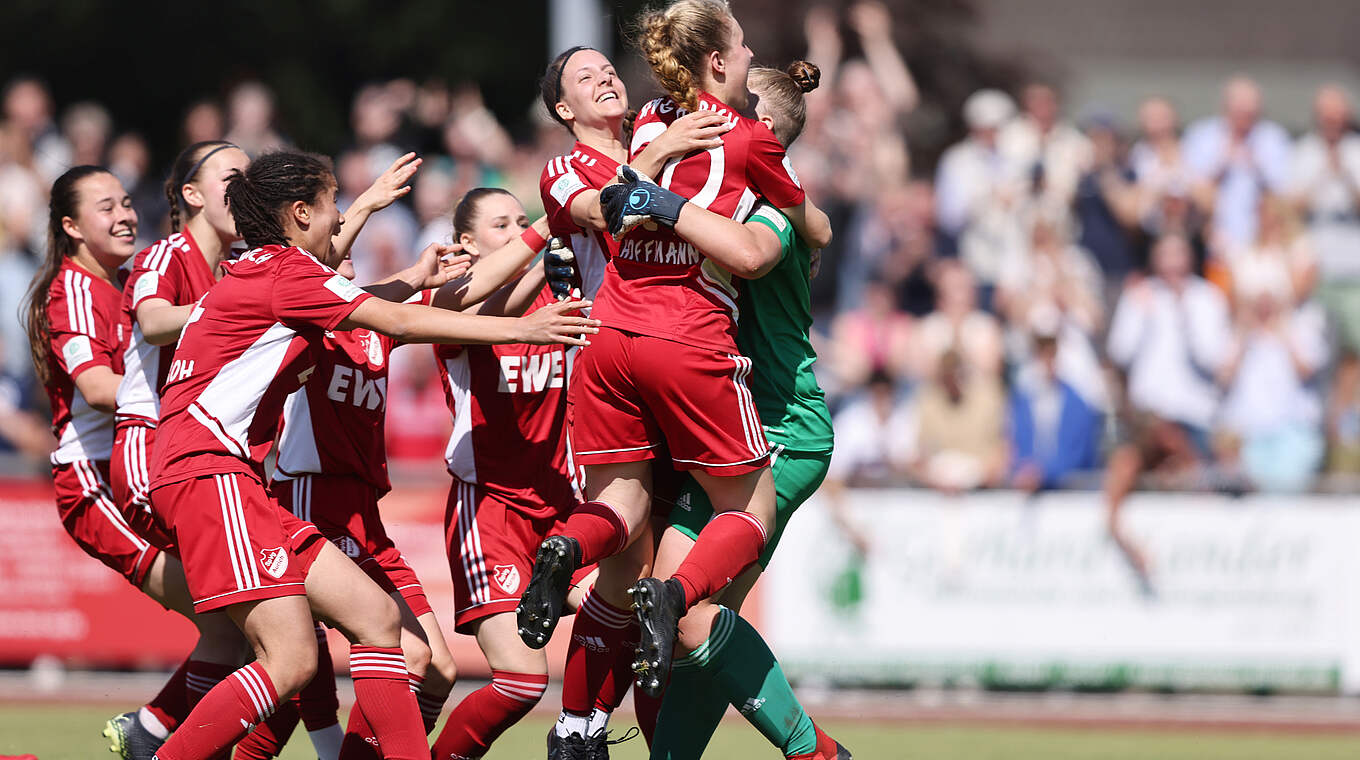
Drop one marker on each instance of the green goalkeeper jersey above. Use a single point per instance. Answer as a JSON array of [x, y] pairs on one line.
[[776, 315]]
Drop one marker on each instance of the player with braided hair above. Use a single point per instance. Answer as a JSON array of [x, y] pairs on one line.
[[332, 465], [666, 371], [167, 278], [248, 343], [581, 90], [732, 664]]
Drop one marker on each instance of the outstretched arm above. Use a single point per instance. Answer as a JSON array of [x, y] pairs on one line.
[[873, 22], [727, 242], [436, 266], [414, 323], [515, 298], [388, 187], [493, 270]]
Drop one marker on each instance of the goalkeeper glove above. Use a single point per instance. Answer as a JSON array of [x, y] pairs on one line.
[[637, 199], [559, 264]]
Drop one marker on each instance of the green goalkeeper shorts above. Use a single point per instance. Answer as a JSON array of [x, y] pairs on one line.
[[797, 475]]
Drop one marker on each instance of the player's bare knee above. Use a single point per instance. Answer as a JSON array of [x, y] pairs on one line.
[[416, 652], [696, 626], [442, 667], [375, 621], [289, 660]]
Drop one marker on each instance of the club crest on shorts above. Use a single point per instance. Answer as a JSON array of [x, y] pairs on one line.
[[274, 561], [507, 577], [349, 546]]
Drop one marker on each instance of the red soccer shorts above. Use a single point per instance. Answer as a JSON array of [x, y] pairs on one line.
[[87, 511], [130, 478], [345, 510], [235, 541], [631, 393], [491, 547]]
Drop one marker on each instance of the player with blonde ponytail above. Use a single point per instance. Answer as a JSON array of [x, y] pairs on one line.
[[665, 374], [733, 665]]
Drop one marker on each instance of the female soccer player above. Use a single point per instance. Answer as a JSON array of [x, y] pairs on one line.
[[733, 664], [332, 470], [667, 371], [511, 480], [74, 327], [581, 90], [167, 278], [247, 344]]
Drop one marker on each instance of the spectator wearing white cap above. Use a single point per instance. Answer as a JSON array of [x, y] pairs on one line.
[[978, 189], [1325, 185], [1242, 155]]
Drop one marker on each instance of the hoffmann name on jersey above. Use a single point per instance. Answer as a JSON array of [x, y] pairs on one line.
[[700, 307]]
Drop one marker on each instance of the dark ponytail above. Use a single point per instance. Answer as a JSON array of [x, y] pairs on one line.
[[183, 171], [60, 246], [550, 84], [259, 197], [465, 213]]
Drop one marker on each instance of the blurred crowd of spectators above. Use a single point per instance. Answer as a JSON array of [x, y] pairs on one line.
[[1059, 302]]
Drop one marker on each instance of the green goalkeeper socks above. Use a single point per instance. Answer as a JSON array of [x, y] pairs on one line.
[[735, 666], [690, 712]]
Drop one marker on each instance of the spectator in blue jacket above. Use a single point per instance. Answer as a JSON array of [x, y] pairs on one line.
[[1053, 432]]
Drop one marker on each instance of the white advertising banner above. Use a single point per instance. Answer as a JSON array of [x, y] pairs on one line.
[[1000, 590]]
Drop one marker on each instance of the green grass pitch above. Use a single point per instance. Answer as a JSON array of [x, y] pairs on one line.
[[72, 733]]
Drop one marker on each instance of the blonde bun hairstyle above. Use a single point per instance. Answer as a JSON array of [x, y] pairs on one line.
[[779, 95]]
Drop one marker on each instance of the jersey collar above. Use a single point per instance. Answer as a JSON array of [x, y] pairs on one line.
[[595, 154]]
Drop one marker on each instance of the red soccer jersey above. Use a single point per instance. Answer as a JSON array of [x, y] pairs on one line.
[[509, 406], [334, 424], [84, 331], [660, 285], [172, 269], [563, 179], [250, 342]]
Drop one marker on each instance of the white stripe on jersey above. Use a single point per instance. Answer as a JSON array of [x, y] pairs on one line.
[[227, 406], [459, 457], [87, 306], [718, 289], [71, 317], [298, 452]]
